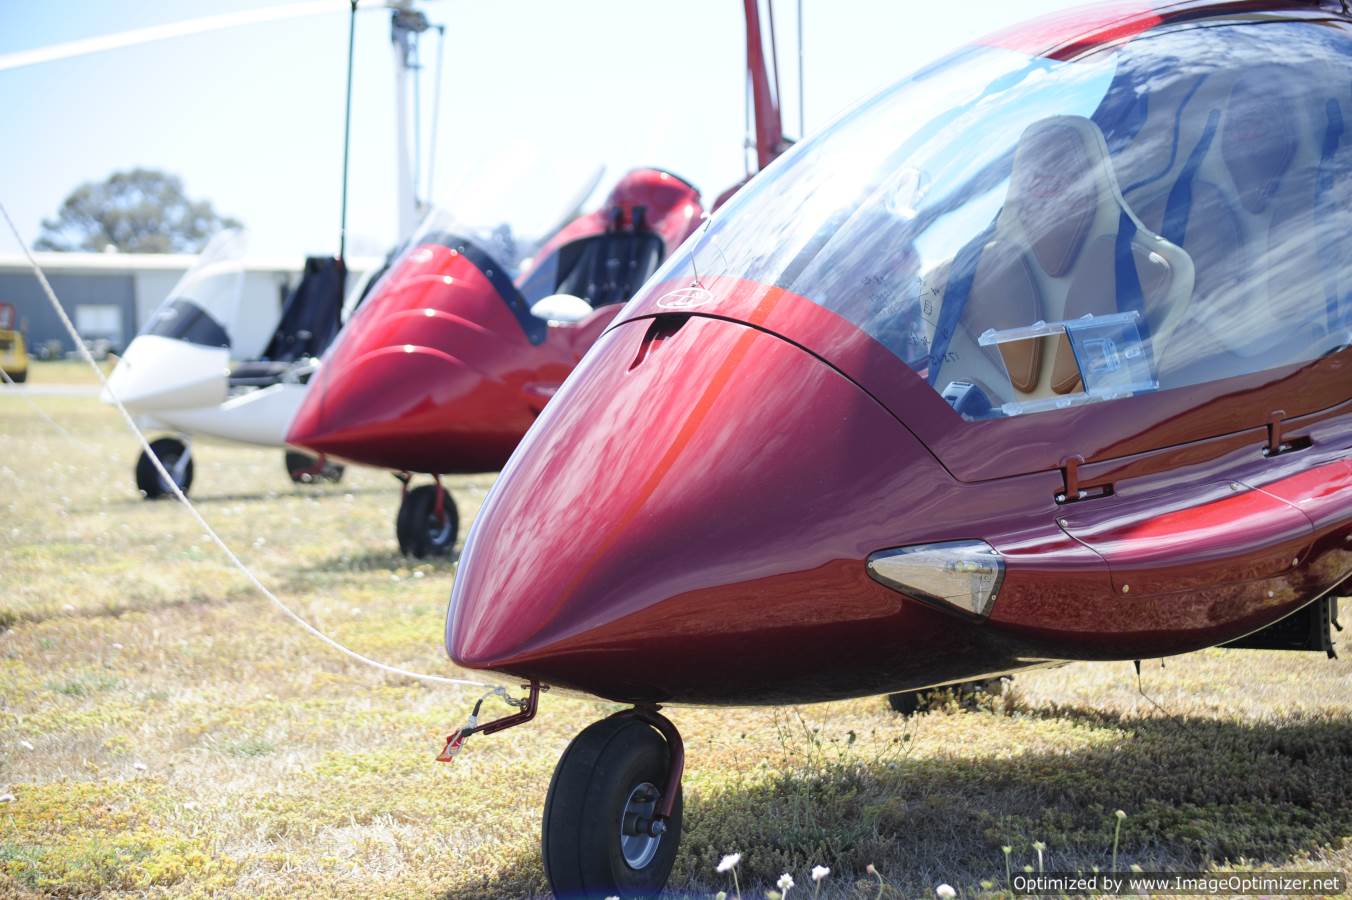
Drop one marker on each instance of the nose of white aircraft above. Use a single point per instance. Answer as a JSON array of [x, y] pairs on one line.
[[159, 373]]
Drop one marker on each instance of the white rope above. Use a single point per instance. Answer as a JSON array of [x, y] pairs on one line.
[[182, 498]]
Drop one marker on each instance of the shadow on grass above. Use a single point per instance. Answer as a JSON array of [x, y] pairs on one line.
[[319, 492], [378, 560], [1196, 791], [116, 610]]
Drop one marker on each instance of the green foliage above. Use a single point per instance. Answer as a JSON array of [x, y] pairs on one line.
[[136, 211]]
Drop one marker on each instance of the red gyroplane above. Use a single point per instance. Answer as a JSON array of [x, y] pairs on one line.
[[468, 335], [1041, 355], [458, 349]]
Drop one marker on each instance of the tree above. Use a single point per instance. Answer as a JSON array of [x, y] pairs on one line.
[[138, 211]]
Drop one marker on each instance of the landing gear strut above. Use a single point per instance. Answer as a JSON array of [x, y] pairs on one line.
[[428, 522], [176, 456], [612, 819]]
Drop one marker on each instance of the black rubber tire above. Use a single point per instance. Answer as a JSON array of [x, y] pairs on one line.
[[907, 704], [168, 450], [299, 466], [416, 526], [580, 837], [18, 377]]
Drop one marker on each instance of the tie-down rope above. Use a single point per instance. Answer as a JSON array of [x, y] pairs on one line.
[[182, 498]]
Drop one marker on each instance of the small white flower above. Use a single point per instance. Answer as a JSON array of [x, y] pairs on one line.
[[820, 872], [946, 891], [785, 882], [729, 861]]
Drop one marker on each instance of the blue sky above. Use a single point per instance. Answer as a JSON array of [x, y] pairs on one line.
[[251, 117]]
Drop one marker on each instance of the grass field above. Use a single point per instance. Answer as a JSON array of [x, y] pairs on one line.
[[64, 371], [164, 732]]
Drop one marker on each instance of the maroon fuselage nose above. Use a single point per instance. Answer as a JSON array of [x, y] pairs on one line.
[[435, 373], [689, 521]]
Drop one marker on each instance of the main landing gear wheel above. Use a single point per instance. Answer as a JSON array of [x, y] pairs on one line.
[[306, 469], [175, 456], [910, 702], [599, 837], [422, 530]]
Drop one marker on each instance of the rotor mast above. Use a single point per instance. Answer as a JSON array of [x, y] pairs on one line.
[[406, 26], [769, 126]]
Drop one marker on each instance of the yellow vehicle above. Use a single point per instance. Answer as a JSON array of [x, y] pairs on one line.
[[13, 353]]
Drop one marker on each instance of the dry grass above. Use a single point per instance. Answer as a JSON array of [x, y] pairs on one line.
[[64, 371], [164, 732]]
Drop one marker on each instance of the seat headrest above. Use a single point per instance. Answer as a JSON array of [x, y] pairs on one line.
[[1258, 139], [1055, 190]]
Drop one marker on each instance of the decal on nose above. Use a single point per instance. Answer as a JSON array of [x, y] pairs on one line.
[[676, 498]]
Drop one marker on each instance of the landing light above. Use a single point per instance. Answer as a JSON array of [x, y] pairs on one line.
[[965, 575]]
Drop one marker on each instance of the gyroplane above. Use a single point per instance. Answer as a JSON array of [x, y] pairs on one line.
[[472, 330], [177, 375], [182, 373], [1043, 354]]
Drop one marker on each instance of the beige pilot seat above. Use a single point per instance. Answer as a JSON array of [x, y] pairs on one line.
[[1259, 203], [1051, 256]]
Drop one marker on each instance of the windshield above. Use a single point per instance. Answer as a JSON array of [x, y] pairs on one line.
[[1028, 234], [203, 305], [511, 204]]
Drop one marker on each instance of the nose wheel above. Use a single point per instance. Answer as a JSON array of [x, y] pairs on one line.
[[428, 522], [176, 457], [306, 469], [607, 830]]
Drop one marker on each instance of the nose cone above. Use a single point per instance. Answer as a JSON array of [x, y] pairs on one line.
[[405, 407], [159, 373], [689, 521]]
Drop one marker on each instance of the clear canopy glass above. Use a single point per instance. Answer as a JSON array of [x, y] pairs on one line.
[[1029, 234], [202, 306]]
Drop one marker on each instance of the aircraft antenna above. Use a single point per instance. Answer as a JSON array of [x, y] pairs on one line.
[[774, 52], [347, 133], [436, 111], [1140, 688], [802, 116]]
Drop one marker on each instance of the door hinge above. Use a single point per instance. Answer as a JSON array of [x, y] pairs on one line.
[[1071, 488], [1277, 440]]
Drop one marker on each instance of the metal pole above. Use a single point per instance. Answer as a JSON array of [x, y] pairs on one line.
[[347, 132]]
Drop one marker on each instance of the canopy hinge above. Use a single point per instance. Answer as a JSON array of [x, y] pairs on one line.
[[1072, 489], [1278, 440]]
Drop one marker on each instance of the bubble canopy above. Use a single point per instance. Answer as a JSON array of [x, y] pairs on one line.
[[206, 299], [1030, 234]]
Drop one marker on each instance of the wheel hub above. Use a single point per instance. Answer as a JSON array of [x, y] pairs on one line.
[[639, 840], [439, 530]]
